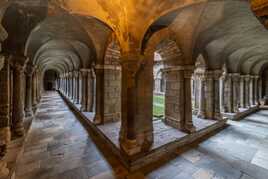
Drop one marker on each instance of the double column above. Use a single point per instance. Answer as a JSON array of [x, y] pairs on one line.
[[5, 121], [18, 96], [29, 89], [178, 101], [209, 96], [136, 132]]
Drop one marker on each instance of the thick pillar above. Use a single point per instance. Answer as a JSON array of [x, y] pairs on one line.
[[5, 136], [216, 96], [235, 94], [224, 93], [29, 86], [90, 91], [242, 92], [251, 91], [18, 100], [178, 113], [136, 133], [84, 74], [77, 86], [247, 91], [201, 100], [99, 116], [256, 90], [34, 92]]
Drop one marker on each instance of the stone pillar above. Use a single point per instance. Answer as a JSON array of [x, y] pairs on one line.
[[188, 124], [260, 89], [247, 91], [256, 90], [216, 96], [201, 101], [34, 92], [99, 116], [5, 134], [29, 86], [18, 101], [242, 92], [251, 91], [90, 91], [136, 132], [196, 93], [224, 93], [178, 113], [84, 76], [235, 88], [76, 98]]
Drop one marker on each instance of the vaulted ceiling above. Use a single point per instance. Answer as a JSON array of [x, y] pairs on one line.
[[75, 34]]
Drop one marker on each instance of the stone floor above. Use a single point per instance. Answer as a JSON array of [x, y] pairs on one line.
[[59, 147]]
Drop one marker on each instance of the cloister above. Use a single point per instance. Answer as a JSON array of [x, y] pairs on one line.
[[127, 89]]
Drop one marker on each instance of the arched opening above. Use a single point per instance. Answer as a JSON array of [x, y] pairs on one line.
[[50, 80]]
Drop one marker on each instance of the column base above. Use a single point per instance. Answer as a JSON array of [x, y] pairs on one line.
[[201, 115], [19, 129], [130, 147], [172, 122], [28, 113], [98, 120], [4, 171], [190, 128], [5, 135], [83, 109]]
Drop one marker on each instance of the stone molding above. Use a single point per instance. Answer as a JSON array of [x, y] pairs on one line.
[[180, 68], [108, 67]]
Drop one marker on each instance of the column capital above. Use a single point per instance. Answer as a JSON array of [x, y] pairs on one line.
[[235, 77], [29, 70]]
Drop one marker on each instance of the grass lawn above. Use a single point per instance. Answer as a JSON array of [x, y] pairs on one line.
[[159, 106]]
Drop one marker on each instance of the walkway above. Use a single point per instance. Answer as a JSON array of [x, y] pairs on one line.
[[59, 147]]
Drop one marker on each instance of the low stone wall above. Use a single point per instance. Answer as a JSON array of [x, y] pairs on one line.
[[242, 114], [133, 163]]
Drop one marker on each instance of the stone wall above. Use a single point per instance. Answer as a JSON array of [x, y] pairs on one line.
[[112, 84]]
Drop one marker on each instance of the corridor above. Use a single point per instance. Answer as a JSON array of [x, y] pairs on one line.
[[59, 147]]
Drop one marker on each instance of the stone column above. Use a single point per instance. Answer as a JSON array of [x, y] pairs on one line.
[[247, 93], [242, 92], [18, 102], [216, 96], [5, 134], [260, 89], [178, 113], [251, 91], [201, 101], [84, 74], [196, 96], [34, 93], [235, 88], [99, 117], [188, 124], [136, 132], [224, 94], [77, 95], [29, 86], [256, 91], [71, 94], [90, 92]]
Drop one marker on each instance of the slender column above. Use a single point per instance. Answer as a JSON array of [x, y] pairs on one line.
[[77, 96], [178, 113], [251, 91], [247, 84], [29, 86], [260, 89], [188, 124], [34, 89], [71, 85], [235, 88], [5, 136], [256, 91], [242, 92], [136, 132], [99, 117], [18, 102], [216, 96], [196, 96], [84, 74], [224, 94], [202, 104], [90, 88]]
